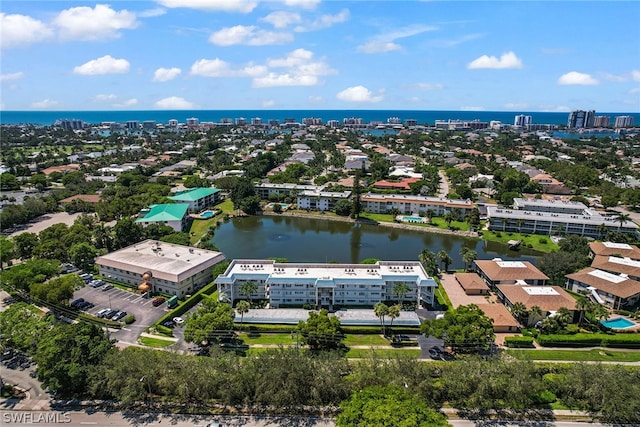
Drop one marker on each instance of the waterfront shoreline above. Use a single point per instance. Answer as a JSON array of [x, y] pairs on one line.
[[470, 234]]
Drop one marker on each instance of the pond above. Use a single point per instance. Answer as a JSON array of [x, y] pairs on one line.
[[316, 240]]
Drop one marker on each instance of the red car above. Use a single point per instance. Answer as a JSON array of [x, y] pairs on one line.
[[157, 301]]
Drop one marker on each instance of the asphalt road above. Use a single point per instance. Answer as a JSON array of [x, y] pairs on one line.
[[124, 419], [22, 379]]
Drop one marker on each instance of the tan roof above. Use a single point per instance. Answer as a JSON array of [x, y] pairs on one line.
[[621, 288], [607, 249], [548, 298], [470, 281], [500, 315], [501, 271], [617, 265], [64, 168]]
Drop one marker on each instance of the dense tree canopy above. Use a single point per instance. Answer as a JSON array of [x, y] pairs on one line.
[[467, 329], [321, 331]]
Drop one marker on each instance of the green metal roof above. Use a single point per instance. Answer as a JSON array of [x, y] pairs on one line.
[[194, 194], [168, 212]]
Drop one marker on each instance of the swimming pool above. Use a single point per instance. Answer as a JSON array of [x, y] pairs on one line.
[[412, 219], [207, 214], [617, 323]]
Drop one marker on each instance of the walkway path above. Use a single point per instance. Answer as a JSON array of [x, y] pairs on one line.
[[443, 190]]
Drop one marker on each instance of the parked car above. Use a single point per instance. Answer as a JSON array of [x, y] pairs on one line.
[[169, 324], [102, 312], [178, 320], [86, 277], [109, 314], [119, 315], [157, 301], [76, 302], [107, 287], [96, 283]]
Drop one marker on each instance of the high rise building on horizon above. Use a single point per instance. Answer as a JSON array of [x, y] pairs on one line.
[[580, 119], [601, 121], [522, 121], [623, 122]]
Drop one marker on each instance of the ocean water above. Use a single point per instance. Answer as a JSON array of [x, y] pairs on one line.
[[423, 117]]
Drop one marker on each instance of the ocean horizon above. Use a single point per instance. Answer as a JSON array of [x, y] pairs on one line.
[[422, 117]]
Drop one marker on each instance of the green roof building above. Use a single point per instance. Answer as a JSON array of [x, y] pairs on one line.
[[173, 215], [198, 198]]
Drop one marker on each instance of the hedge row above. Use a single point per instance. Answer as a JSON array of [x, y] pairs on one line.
[[189, 303], [590, 340], [518, 342]]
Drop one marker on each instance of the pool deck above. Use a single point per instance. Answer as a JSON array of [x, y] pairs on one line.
[[634, 327]]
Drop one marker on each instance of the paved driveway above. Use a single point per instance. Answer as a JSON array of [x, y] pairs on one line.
[[146, 314], [457, 295]]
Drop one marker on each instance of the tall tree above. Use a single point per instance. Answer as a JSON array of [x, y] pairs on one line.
[[321, 331], [7, 251], [381, 310], [444, 257], [242, 307], [468, 258], [393, 312], [428, 260], [467, 329], [248, 289], [400, 289]]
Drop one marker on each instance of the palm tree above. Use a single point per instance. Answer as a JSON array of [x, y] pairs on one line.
[[381, 310], [564, 316], [536, 311], [602, 230], [400, 289], [519, 310], [242, 307], [393, 312], [445, 259], [622, 219], [599, 311], [582, 304], [448, 218], [468, 258], [428, 260], [248, 289]]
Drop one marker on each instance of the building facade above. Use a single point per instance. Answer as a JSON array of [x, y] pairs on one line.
[[326, 285], [411, 204], [198, 198], [320, 200], [168, 268], [580, 119]]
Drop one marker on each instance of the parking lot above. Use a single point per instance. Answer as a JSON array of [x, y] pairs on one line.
[[141, 307]]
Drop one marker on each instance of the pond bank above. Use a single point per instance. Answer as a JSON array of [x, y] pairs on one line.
[[402, 226]]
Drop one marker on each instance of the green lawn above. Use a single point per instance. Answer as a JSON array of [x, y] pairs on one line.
[[535, 240], [155, 342], [199, 227], [577, 355], [369, 340], [436, 222], [252, 338], [442, 298]]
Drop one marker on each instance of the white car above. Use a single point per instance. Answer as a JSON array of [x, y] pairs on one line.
[[178, 320]]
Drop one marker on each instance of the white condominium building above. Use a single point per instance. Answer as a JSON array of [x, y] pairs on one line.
[[411, 204], [326, 285]]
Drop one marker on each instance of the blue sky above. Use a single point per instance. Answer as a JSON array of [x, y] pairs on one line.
[[309, 54]]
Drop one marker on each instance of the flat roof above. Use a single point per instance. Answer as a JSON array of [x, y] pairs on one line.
[[588, 217], [355, 317], [325, 274], [415, 199], [520, 201], [165, 261], [619, 286]]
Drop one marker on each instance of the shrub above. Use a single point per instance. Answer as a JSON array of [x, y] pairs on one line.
[[543, 241], [545, 397], [518, 342], [572, 329], [129, 319], [163, 330]]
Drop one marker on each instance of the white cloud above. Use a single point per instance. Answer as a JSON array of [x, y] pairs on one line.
[[455, 42], [615, 77], [101, 22], [427, 86], [21, 30], [634, 90], [507, 60], [44, 104], [104, 65], [219, 68], [304, 4], [248, 35], [576, 78], [282, 19], [378, 47], [635, 75], [242, 6], [166, 74], [358, 94], [104, 97], [324, 21], [127, 103], [152, 13], [174, 103], [301, 70], [386, 42], [11, 76]]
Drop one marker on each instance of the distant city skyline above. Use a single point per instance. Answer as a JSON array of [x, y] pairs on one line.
[[306, 54]]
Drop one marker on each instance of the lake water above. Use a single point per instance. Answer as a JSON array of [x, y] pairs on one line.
[[311, 240]]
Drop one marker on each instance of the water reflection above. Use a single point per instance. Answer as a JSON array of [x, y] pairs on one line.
[[309, 240]]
